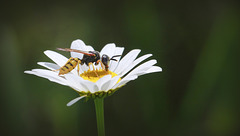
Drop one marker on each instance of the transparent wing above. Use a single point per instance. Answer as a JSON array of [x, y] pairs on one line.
[[78, 51]]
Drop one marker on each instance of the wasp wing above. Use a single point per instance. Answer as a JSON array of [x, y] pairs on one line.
[[78, 51]]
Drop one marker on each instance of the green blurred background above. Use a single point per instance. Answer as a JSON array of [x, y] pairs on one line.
[[195, 42]]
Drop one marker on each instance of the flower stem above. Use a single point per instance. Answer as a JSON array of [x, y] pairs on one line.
[[100, 115]]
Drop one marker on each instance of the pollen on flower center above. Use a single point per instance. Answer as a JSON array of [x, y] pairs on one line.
[[95, 75]]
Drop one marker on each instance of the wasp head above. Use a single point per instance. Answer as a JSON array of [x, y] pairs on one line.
[[106, 60]]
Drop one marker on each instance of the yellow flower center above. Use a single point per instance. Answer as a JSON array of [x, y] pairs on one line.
[[95, 75]]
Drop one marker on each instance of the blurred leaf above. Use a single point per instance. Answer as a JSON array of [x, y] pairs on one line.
[[203, 86], [13, 94]]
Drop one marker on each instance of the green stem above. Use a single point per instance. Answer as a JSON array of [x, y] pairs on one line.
[[100, 115]]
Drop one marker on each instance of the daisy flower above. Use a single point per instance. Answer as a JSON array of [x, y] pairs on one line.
[[94, 81]]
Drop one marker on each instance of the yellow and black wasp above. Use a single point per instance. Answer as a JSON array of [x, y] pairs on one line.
[[89, 58]]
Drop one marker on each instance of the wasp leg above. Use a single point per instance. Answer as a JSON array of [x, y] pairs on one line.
[[103, 67], [97, 62], [78, 67], [93, 68]]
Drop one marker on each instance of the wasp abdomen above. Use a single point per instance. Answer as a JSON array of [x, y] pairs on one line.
[[69, 66]]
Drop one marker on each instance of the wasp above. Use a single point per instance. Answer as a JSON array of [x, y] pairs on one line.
[[89, 58]]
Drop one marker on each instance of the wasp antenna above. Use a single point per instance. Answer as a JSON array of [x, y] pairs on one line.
[[113, 59], [116, 56]]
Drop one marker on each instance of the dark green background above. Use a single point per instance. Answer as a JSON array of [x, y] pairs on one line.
[[195, 42]]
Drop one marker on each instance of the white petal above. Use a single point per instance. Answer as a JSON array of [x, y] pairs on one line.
[[50, 75], [91, 86], [105, 86], [84, 86], [150, 70], [142, 68], [113, 64], [102, 81], [125, 80], [79, 45], [89, 48], [154, 69], [49, 65], [108, 50], [127, 60], [136, 62], [75, 100], [56, 57], [77, 82], [112, 83], [84, 67], [74, 82]]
